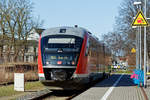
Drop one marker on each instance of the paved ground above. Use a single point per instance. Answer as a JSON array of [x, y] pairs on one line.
[[147, 90], [124, 90]]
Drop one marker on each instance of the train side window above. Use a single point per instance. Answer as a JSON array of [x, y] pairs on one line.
[[87, 47]]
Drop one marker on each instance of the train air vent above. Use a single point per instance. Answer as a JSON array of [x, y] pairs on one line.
[[62, 31]]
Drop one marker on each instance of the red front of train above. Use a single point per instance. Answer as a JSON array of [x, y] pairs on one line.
[[63, 55]]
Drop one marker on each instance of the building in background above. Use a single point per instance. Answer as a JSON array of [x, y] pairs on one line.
[[29, 54]]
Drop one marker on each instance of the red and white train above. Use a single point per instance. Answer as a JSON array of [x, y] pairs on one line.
[[71, 54]]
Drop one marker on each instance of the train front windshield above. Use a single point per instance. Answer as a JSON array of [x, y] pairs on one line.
[[63, 50]]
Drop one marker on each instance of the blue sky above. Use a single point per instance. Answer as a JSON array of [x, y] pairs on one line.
[[98, 16]]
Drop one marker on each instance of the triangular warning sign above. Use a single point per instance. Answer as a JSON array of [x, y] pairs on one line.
[[140, 20], [133, 50]]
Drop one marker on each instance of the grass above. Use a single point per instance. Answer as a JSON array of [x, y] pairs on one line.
[[122, 71], [33, 85], [9, 90]]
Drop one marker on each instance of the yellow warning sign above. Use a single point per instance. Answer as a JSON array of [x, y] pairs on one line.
[[133, 50], [140, 20]]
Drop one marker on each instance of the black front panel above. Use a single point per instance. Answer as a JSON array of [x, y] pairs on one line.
[[61, 50], [61, 59]]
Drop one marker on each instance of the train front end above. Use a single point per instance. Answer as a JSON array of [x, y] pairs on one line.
[[59, 55]]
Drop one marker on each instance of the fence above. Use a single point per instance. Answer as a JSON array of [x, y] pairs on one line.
[[7, 72]]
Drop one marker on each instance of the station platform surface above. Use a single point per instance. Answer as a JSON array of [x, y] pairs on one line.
[[147, 89], [117, 87]]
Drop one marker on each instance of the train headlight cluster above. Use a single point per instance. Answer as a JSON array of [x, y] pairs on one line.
[[61, 63]]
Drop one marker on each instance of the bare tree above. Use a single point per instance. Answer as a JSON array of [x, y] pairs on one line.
[[123, 29], [116, 42], [16, 23]]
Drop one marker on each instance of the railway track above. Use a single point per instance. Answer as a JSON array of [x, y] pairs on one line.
[[63, 94], [47, 94], [36, 95]]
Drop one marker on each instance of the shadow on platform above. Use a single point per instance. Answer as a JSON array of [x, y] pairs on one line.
[[125, 81]]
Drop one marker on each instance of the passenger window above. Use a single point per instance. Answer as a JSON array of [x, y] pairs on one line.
[[87, 48]]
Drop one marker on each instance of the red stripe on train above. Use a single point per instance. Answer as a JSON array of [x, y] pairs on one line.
[[82, 62], [40, 66]]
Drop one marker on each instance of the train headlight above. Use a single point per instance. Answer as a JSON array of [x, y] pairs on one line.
[[59, 62], [73, 63], [47, 62]]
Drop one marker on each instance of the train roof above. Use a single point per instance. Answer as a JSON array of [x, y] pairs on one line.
[[77, 31]]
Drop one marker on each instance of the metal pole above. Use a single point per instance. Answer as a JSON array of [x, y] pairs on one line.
[[137, 49], [147, 64], [145, 56], [145, 49], [140, 49], [140, 44]]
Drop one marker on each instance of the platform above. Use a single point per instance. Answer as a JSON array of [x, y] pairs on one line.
[[147, 89], [117, 87]]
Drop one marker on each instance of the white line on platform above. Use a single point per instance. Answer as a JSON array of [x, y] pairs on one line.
[[111, 88]]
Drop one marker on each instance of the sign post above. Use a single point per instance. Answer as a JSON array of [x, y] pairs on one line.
[[140, 20], [145, 78]]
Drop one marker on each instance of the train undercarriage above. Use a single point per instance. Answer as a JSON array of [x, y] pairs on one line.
[[66, 79]]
